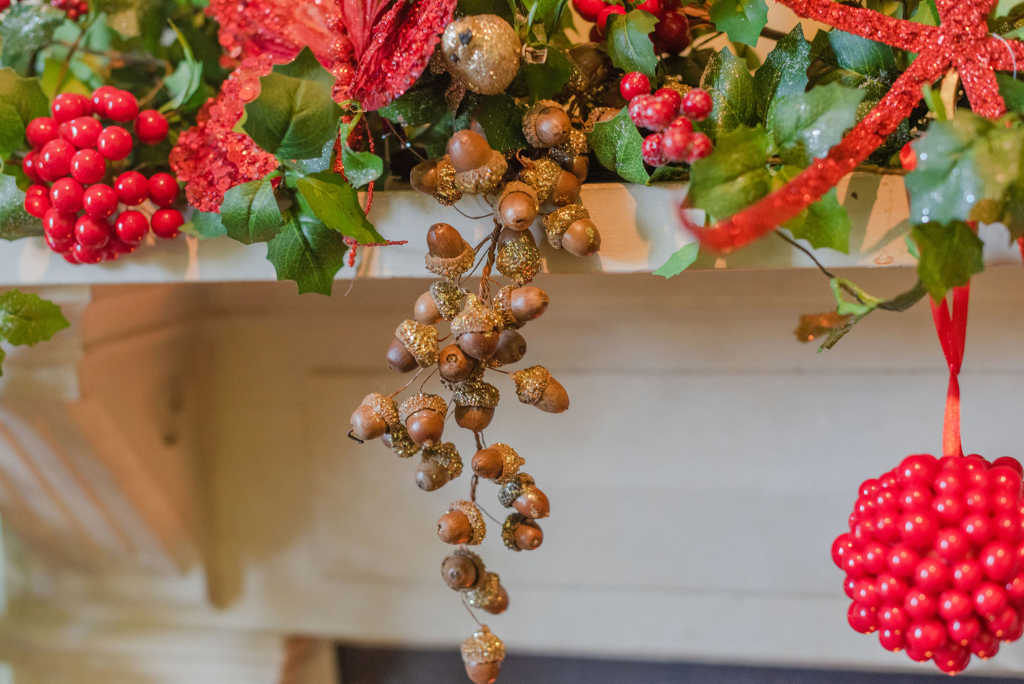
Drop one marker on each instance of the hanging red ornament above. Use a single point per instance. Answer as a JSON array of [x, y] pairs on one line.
[[960, 42]]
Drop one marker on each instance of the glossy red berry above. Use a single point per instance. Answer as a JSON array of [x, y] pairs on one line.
[[952, 544], [951, 658], [151, 126], [978, 528], [886, 528], [1005, 479], [652, 6], [40, 131], [672, 32], [892, 589], [121, 106], [926, 636], [37, 206], [84, 254], [955, 605], [840, 547], [608, 11], [918, 528], [61, 246], [163, 189], [683, 123], [117, 248], [998, 561], [66, 195], [99, 201], [131, 226], [636, 110], [633, 84], [865, 592], [915, 495], [950, 482], [893, 616], [675, 145], [166, 223], [950, 509], [83, 131], [978, 500], [697, 104], [1007, 526], [589, 9], [902, 560], [874, 557], [55, 159], [985, 646], [657, 113], [114, 143], [1009, 462], [37, 191], [892, 639], [651, 150], [58, 225], [672, 97], [931, 575], [862, 618], [132, 188], [88, 167], [963, 630], [967, 575], [92, 232], [31, 167], [99, 99], [700, 147], [989, 599], [849, 584], [920, 605], [69, 106]]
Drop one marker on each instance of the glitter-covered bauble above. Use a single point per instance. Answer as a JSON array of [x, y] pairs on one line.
[[933, 558], [481, 51]]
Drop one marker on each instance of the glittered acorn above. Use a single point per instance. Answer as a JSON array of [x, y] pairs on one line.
[[398, 440], [517, 306], [436, 177], [511, 348], [499, 463], [442, 301], [554, 185], [474, 404], [521, 534], [488, 595], [571, 229], [448, 254], [455, 366], [414, 345], [511, 490], [518, 258], [535, 386], [423, 416], [572, 155], [532, 503], [478, 168], [517, 205], [546, 124], [440, 465], [483, 654], [375, 415], [463, 570], [462, 524], [482, 52], [477, 329]]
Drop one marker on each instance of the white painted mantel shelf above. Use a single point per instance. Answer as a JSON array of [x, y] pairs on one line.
[[638, 227]]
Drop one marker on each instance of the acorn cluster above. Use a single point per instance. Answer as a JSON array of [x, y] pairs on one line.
[[84, 205], [934, 558]]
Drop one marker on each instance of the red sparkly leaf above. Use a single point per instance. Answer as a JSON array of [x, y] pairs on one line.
[[359, 18]]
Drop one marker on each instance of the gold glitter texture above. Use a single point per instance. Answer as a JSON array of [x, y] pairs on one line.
[[510, 462], [383, 407], [482, 51], [510, 491], [420, 341], [447, 456], [519, 259], [447, 298], [475, 317], [401, 442], [573, 147], [542, 174], [558, 221], [476, 520], [422, 402], [486, 593], [452, 268], [503, 307], [530, 384], [476, 393], [483, 647], [508, 530], [484, 178], [446, 193]]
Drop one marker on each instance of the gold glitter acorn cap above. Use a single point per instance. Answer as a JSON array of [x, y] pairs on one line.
[[475, 317], [530, 384], [530, 120], [511, 490], [420, 402], [513, 187], [447, 298], [446, 192], [571, 148], [477, 393], [476, 375], [482, 50], [401, 442], [483, 178], [518, 258], [483, 647], [503, 307], [476, 520], [451, 268], [510, 462], [447, 456], [542, 175], [486, 592], [558, 221], [420, 340], [508, 530], [384, 408]]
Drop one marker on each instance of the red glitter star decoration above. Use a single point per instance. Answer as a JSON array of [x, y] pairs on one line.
[[961, 41]]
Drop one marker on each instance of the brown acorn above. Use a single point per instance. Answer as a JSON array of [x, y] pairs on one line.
[[511, 348], [532, 503], [478, 168], [448, 254], [454, 365], [546, 124], [520, 534], [462, 524], [477, 329], [423, 177], [518, 258], [423, 416], [442, 301], [534, 385], [566, 190], [463, 570], [508, 462], [487, 463], [375, 415], [570, 228], [513, 488], [572, 155], [517, 205], [488, 595], [440, 465], [542, 175], [517, 306], [398, 440], [475, 402], [399, 358], [417, 341], [425, 311], [483, 654], [436, 177], [430, 475]]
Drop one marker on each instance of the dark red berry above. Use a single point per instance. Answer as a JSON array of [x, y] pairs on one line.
[[31, 168], [99, 201], [163, 189], [99, 99], [166, 223], [675, 143], [37, 206], [121, 106], [40, 131], [652, 150], [66, 195], [132, 188], [652, 6], [588, 9], [92, 232], [70, 257], [87, 255], [131, 227], [700, 147], [633, 84], [69, 106], [88, 167], [602, 18], [55, 159], [151, 127], [59, 225], [59, 245], [697, 104], [114, 143], [672, 32], [83, 131]]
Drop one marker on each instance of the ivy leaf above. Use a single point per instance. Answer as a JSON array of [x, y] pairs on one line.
[[250, 213], [309, 253], [629, 42], [205, 225], [741, 19], [965, 165], [25, 30], [680, 261], [619, 147], [1012, 91], [784, 72], [806, 126], [186, 78], [544, 81], [336, 204], [24, 94], [502, 120], [950, 255], [731, 87], [295, 115], [12, 130], [419, 106], [361, 168], [15, 222], [734, 176], [825, 223], [307, 166], [27, 319]]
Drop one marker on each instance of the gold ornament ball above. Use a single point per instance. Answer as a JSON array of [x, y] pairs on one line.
[[482, 51]]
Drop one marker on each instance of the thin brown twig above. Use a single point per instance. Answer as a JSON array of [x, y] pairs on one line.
[[427, 378], [817, 263], [406, 385]]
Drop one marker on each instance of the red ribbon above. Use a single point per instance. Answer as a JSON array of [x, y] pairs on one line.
[[1020, 243], [952, 331]]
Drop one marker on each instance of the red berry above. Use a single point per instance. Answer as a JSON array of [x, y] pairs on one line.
[[163, 189], [919, 605], [888, 480], [637, 107], [985, 646], [87, 255], [657, 114], [602, 17], [66, 195], [700, 147], [840, 546], [61, 246], [918, 528], [673, 97], [865, 592], [55, 159], [92, 232], [675, 145], [99, 201], [891, 588], [595, 35], [672, 32], [68, 106], [40, 131], [683, 123], [88, 167], [989, 599], [1009, 462], [83, 131], [1004, 501], [116, 248], [902, 560], [697, 104], [1015, 631], [1005, 479], [951, 658], [651, 150], [1001, 622], [37, 206], [132, 188], [588, 9], [950, 509], [886, 529], [950, 482], [977, 501], [131, 227], [967, 575], [166, 223], [849, 584], [99, 99], [977, 527], [862, 618], [931, 575], [121, 106], [918, 656], [70, 257], [908, 160], [151, 127], [652, 6], [58, 225], [892, 639], [853, 564], [998, 561], [633, 84], [114, 143], [963, 630], [37, 191], [1015, 588], [915, 495], [1007, 526], [952, 544], [31, 167], [955, 605], [893, 617], [64, 131], [927, 636]]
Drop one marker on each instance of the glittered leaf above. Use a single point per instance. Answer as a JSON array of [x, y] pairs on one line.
[[629, 42], [249, 212], [26, 29], [359, 18], [309, 253], [502, 121], [734, 176], [15, 222], [544, 81], [618, 146], [680, 261], [336, 204], [731, 87], [24, 94], [419, 106], [950, 255], [824, 223], [807, 125], [784, 72], [361, 168], [27, 319], [741, 19]]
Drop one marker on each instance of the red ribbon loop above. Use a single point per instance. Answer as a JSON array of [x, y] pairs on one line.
[[952, 331]]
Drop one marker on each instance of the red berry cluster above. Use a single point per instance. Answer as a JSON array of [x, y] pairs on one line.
[[671, 116], [73, 8], [934, 560], [671, 33], [70, 153]]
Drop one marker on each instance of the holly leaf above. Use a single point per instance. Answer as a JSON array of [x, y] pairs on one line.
[[629, 42], [731, 87], [680, 261], [950, 255], [250, 213], [784, 72], [25, 318], [15, 222], [734, 176], [1012, 91], [12, 130], [336, 204], [619, 147], [964, 167], [205, 225], [742, 20], [295, 115], [544, 81], [24, 31], [419, 106], [24, 94], [824, 223], [186, 78], [806, 126], [309, 253], [502, 120]]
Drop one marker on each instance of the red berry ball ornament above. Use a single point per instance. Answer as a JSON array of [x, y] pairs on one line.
[[633, 84], [88, 166], [166, 223], [951, 578], [114, 143], [121, 106], [131, 227], [675, 143], [83, 132], [70, 106], [697, 104], [66, 195], [92, 232], [30, 165], [672, 32], [652, 150], [37, 205], [132, 188], [151, 127], [100, 201], [40, 131], [54, 160], [163, 189], [700, 147]]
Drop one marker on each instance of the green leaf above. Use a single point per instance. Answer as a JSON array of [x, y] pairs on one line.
[[502, 8], [205, 225], [309, 253], [336, 204], [732, 91], [784, 72], [669, 174], [361, 167], [419, 106], [618, 145], [127, 17], [2, 356], [1012, 91], [24, 94], [15, 222], [629, 42], [734, 176], [295, 115], [250, 213], [950, 255], [305, 167], [186, 78], [806, 126], [825, 223], [544, 81], [741, 19], [964, 167], [1004, 7], [12, 130], [27, 319], [502, 120], [680, 261], [25, 30]]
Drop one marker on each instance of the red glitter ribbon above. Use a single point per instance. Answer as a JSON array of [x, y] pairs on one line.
[[952, 331]]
